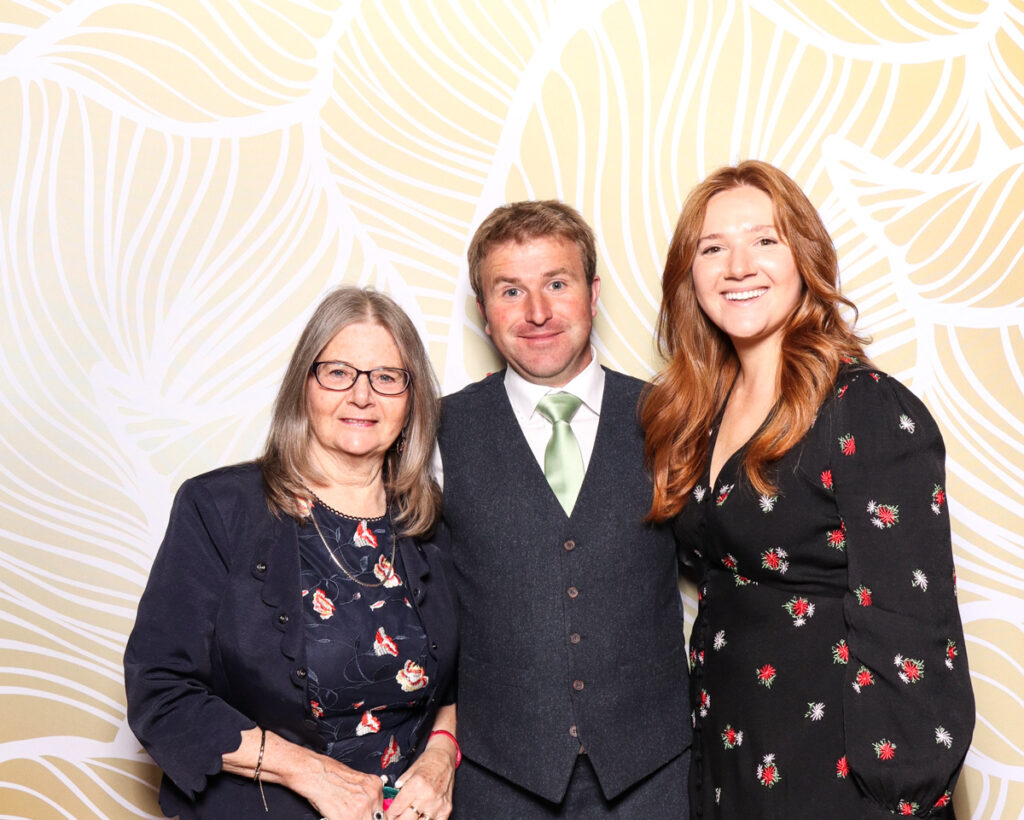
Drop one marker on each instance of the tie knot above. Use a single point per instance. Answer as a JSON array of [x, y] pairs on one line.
[[557, 407]]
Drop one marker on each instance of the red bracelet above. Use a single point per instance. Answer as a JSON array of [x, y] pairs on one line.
[[451, 737]]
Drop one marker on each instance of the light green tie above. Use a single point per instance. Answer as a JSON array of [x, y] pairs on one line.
[[563, 461]]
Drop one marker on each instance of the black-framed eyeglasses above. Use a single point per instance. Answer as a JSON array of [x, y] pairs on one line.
[[387, 381]]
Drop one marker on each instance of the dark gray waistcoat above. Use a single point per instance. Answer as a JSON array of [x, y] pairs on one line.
[[570, 628]]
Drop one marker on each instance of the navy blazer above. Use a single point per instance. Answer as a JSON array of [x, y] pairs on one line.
[[218, 644]]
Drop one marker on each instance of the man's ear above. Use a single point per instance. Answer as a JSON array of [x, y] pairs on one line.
[[483, 312], [595, 289]]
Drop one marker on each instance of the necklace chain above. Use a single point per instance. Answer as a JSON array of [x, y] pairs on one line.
[[330, 552]]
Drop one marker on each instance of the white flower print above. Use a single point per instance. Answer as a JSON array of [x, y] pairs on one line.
[[920, 580], [767, 502], [815, 711], [944, 737], [719, 640], [699, 492], [907, 423]]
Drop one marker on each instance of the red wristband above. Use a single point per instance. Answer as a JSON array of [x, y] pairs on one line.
[[451, 737]]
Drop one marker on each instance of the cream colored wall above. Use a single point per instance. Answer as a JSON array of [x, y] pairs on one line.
[[181, 181]]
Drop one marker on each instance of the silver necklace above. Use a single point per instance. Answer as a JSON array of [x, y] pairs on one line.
[[335, 559]]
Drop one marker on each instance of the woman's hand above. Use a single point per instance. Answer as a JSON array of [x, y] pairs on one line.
[[332, 788], [426, 792], [338, 792]]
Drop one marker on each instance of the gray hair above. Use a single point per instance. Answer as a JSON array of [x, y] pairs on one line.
[[286, 462]]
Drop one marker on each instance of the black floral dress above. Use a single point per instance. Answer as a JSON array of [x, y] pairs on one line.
[[829, 678], [369, 669]]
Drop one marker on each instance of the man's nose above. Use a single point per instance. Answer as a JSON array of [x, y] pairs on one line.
[[538, 311]]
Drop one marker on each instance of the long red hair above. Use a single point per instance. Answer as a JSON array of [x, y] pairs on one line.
[[685, 398]]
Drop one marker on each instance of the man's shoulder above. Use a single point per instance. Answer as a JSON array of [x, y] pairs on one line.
[[622, 384], [475, 391]]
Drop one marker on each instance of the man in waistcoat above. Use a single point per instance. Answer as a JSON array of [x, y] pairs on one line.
[[573, 682]]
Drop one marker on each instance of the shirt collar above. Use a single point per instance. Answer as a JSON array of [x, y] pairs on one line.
[[588, 385]]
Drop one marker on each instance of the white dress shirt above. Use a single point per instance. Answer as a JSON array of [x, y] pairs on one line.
[[588, 386], [523, 395]]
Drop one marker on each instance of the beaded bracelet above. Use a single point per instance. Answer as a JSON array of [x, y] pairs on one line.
[[451, 737]]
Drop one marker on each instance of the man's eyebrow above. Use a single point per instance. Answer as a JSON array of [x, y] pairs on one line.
[[515, 280]]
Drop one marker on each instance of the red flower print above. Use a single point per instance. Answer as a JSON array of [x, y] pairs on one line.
[[376, 604], [391, 754], [731, 738], [842, 390], [847, 444], [799, 609], [951, 653], [364, 536], [884, 749], [411, 677], [768, 771], [766, 675], [840, 652], [874, 376], [842, 768], [938, 499], [943, 801], [863, 595], [385, 572], [837, 538], [705, 702], [884, 516], [848, 359], [368, 724], [775, 559], [723, 493], [729, 561], [905, 808], [384, 644], [316, 709], [322, 605], [911, 670], [826, 479], [864, 678]]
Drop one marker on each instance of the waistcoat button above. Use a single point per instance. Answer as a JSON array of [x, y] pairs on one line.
[[574, 638], [577, 685], [573, 592], [569, 545]]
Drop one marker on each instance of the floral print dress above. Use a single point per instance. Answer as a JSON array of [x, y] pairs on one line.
[[368, 665], [829, 678]]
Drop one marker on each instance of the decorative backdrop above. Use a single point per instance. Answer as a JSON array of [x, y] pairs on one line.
[[182, 179]]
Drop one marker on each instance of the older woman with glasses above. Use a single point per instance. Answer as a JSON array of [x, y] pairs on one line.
[[294, 647]]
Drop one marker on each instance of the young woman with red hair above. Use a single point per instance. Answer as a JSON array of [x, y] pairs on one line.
[[828, 671]]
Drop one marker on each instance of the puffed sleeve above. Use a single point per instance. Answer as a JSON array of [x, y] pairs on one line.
[[908, 704], [171, 708]]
